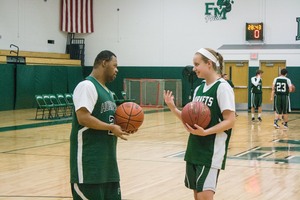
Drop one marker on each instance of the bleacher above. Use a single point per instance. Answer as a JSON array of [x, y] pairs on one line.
[[38, 58], [3, 59]]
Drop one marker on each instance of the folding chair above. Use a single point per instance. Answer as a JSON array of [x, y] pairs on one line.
[[61, 99], [58, 107], [70, 103], [41, 108], [50, 105]]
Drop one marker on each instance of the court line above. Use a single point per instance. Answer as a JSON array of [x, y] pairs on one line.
[[32, 147], [24, 196], [35, 125], [57, 122]]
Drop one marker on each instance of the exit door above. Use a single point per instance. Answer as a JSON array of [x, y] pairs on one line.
[[238, 74]]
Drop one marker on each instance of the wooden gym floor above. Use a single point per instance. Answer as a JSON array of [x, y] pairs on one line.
[[263, 163]]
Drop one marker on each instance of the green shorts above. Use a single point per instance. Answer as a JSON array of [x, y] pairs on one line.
[[104, 191], [256, 100], [282, 104], [201, 178]]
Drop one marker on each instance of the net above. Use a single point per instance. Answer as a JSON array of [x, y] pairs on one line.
[[149, 92]]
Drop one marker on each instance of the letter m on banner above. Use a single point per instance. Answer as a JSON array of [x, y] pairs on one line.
[[77, 16]]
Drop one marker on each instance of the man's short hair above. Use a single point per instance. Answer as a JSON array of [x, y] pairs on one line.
[[103, 55], [284, 71], [259, 71]]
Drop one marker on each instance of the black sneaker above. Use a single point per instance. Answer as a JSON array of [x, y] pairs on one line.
[[276, 126], [253, 119], [259, 119]]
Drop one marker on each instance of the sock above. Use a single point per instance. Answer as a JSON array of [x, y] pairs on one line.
[[259, 114], [252, 115], [275, 121]]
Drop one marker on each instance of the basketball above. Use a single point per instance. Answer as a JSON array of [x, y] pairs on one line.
[[293, 88], [196, 113], [129, 116]]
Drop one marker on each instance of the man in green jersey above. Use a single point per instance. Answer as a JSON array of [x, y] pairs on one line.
[[280, 91], [256, 95], [93, 163]]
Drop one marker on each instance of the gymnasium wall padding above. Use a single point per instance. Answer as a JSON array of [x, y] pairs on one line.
[[7, 85], [293, 74], [75, 75], [42, 80], [25, 86], [59, 80], [32, 80]]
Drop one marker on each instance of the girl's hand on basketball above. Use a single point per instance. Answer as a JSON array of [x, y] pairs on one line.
[[197, 131]]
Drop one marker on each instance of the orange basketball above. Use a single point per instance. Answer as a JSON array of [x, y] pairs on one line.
[[293, 88], [129, 116], [196, 113]]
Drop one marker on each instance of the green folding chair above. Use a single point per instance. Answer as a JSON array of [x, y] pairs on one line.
[[41, 108], [70, 103]]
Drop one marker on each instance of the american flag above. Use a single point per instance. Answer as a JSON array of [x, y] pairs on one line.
[[77, 16]]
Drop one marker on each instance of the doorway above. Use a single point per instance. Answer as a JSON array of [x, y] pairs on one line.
[[238, 73]]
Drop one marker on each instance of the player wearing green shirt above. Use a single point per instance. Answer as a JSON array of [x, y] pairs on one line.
[[280, 91], [256, 95], [207, 148], [93, 164]]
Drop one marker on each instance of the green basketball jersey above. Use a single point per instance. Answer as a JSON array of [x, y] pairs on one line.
[[258, 88], [209, 150], [281, 86], [93, 152]]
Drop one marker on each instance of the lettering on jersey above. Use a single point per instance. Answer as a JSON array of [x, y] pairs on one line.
[[111, 121], [205, 99], [108, 106]]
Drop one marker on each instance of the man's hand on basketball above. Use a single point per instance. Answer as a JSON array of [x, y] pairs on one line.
[[117, 131], [131, 131], [197, 131]]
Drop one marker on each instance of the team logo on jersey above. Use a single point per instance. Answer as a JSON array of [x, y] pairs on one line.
[[205, 99], [108, 106], [217, 11]]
